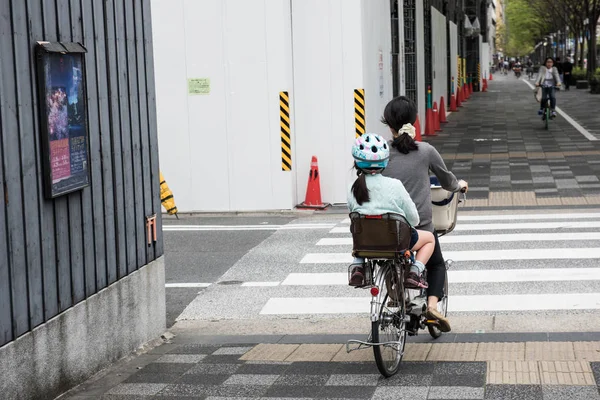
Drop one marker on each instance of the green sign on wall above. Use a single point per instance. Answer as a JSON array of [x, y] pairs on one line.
[[198, 86]]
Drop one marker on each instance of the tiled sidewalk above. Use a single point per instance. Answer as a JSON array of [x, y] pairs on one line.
[[506, 371], [498, 144]]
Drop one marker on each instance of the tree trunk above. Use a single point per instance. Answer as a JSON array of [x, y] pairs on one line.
[[592, 49]]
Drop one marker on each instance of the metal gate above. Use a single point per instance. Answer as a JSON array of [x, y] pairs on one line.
[[410, 49], [395, 48], [428, 55]]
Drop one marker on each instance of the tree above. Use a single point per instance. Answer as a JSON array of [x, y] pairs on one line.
[[525, 26]]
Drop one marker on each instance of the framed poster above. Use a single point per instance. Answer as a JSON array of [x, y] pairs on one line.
[[63, 117]]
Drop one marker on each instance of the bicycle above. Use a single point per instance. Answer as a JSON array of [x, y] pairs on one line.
[[547, 111], [396, 311]]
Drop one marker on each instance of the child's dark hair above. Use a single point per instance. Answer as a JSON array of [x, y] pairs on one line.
[[399, 111], [359, 188]]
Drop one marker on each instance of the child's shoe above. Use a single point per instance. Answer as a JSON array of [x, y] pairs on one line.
[[412, 280], [357, 276]]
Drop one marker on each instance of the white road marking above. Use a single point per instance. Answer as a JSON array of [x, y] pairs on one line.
[[483, 303], [570, 120], [510, 226], [469, 276], [244, 227], [475, 255], [516, 217], [528, 225], [260, 284], [187, 285], [515, 237]]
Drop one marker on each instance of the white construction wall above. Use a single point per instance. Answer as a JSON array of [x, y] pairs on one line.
[[220, 144], [439, 57]]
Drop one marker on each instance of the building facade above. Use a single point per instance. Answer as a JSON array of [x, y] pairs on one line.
[[223, 68]]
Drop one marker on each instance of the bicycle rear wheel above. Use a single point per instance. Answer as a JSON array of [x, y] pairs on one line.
[[390, 327], [546, 117]]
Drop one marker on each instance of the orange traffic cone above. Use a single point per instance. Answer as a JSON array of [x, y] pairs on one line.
[[418, 137], [453, 103], [491, 77], [313, 189], [436, 117], [459, 97], [443, 119]]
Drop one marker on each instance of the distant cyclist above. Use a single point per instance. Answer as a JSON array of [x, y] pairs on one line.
[[548, 78]]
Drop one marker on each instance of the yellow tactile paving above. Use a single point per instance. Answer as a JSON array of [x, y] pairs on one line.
[[270, 352], [513, 372], [548, 201], [500, 351], [592, 199], [566, 373], [589, 351], [314, 352], [524, 198], [542, 351], [362, 355], [500, 199], [477, 202], [452, 352], [574, 201], [416, 351]]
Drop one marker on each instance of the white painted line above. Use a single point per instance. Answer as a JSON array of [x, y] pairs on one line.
[[469, 276], [335, 241], [528, 225], [525, 302], [260, 284], [341, 229], [517, 217], [187, 285], [475, 255], [483, 303], [523, 254], [345, 221], [514, 237], [520, 237], [245, 227], [525, 275], [315, 279], [317, 305], [570, 120]]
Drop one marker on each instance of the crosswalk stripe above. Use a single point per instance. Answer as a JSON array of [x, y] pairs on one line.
[[517, 217], [515, 237], [187, 285], [508, 226], [479, 303], [245, 227], [523, 217], [475, 255], [469, 276]]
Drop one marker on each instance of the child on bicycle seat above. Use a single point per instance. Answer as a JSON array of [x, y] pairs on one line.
[[375, 194]]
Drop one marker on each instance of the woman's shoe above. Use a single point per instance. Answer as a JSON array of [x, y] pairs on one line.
[[443, 323]]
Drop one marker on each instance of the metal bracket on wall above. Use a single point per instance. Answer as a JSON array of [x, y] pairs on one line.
[[151, 228]]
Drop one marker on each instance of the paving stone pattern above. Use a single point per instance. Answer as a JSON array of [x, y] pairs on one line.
[[224, 372], [497, 143]]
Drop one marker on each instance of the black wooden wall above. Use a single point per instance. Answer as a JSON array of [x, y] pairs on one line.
[[56, 253]]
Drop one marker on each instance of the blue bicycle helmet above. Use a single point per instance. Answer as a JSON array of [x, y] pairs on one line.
[[371, 151]]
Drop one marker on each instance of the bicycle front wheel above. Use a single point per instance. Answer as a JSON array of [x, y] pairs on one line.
[[547, 118], [390, 328]]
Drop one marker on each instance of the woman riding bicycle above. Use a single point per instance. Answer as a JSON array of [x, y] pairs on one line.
[[410, 163], [548, 78]]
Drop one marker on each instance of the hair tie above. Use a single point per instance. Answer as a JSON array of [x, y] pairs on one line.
[[408, 129]]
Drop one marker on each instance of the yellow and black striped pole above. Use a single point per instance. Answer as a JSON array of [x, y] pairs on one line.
[[166, 197], [359, 111], [286, 136]]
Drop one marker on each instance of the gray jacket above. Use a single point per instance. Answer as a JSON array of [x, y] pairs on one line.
[[413, 169], [542, 75]]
